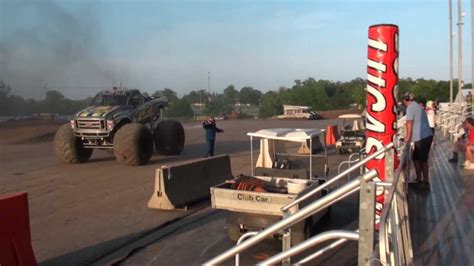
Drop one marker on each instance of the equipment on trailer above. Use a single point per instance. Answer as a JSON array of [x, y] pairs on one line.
[[285, 170]]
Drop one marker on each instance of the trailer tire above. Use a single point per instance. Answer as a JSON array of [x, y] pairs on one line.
[[169, 137], [69, 148], [133, 144]]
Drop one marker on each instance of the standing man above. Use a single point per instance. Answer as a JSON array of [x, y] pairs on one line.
[[418, 131], [211, 129]]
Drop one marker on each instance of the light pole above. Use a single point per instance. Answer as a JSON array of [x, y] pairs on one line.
[[451, 53], [472, 51], [460, 23]]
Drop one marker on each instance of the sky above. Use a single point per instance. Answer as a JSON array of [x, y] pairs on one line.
[[81, 47]]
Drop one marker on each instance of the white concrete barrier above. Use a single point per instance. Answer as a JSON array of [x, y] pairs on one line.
[[177, 187]]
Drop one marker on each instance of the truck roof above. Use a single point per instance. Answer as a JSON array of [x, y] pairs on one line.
[[117, 91]]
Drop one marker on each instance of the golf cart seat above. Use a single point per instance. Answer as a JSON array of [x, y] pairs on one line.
[[276, 172]]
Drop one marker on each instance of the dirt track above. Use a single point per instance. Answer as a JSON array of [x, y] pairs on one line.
[[75, 207]]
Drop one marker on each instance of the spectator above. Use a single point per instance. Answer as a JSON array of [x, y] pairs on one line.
[[211, 129], [469, 98], [460, 145], [469, 163], [430, 113], [419, 132]]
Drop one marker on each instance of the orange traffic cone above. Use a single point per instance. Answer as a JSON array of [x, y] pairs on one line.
[[331, 135]]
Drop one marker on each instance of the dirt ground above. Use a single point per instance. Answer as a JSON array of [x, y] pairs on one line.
[[84, 207]]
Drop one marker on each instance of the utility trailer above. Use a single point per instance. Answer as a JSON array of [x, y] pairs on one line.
[[259, 205]]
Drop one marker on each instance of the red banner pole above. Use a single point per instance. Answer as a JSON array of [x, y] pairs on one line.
[[382, 80]]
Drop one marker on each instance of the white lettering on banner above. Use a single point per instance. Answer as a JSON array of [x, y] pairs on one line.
[[378, 45], [373, 142], [376, 80], [374, 124], [380, 102], [376, 65]]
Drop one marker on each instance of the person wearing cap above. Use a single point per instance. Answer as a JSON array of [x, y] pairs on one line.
[[418, 131], [211, 129]]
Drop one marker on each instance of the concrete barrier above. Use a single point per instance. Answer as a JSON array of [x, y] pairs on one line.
[[15, 236], [178, 186]]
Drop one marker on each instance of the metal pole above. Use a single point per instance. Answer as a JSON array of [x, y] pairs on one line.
[[336, 178], [251, 154], [450, 55], [322, 251], [366, 222], [472, 53], [335, 234], [242, 238], [310, 209], [311, 158], [460, 23], [209, 82]]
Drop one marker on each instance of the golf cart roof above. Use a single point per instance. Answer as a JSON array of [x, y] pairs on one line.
[[350, 116], [287, 134]]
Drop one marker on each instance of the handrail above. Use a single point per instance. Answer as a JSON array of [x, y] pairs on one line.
[[336, 178], [334, 234], [303, 213], [396, 190], [320, 252], [242, 238]]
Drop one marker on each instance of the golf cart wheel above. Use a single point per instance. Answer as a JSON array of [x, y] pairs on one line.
[[233, 231]]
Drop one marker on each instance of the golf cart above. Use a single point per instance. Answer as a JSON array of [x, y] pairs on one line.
[[352, 137], [287, 168]]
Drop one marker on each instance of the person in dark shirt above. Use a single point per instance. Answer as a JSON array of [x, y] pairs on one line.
[[211, 129]]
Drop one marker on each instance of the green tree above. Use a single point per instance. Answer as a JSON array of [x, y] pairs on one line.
[[249, 95], [179, 108], [5, 90], [53, 101], [270, 105], [169, 93], [231, 95]]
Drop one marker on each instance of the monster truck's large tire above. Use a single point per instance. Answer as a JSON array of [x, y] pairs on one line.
[[169, 137], [133, 144], [69, 148]]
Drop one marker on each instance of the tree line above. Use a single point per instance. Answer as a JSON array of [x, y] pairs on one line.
[[318, 94]]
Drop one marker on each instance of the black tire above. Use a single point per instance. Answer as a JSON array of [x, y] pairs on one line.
[[133, 144], [169, 137], [233, 232], [69, 148]]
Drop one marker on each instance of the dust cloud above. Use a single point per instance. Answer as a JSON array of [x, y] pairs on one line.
[[44, 45]]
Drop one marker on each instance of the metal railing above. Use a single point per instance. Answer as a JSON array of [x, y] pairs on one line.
[[348, 163], [394, 239], [311, 209], [395, 244]]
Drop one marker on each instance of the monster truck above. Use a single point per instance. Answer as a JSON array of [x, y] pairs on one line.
[[122, 120]]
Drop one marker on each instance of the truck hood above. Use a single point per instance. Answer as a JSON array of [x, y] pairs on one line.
[[99, 111]]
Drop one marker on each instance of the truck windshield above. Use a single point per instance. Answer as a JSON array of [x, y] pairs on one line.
[[111, 100]]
